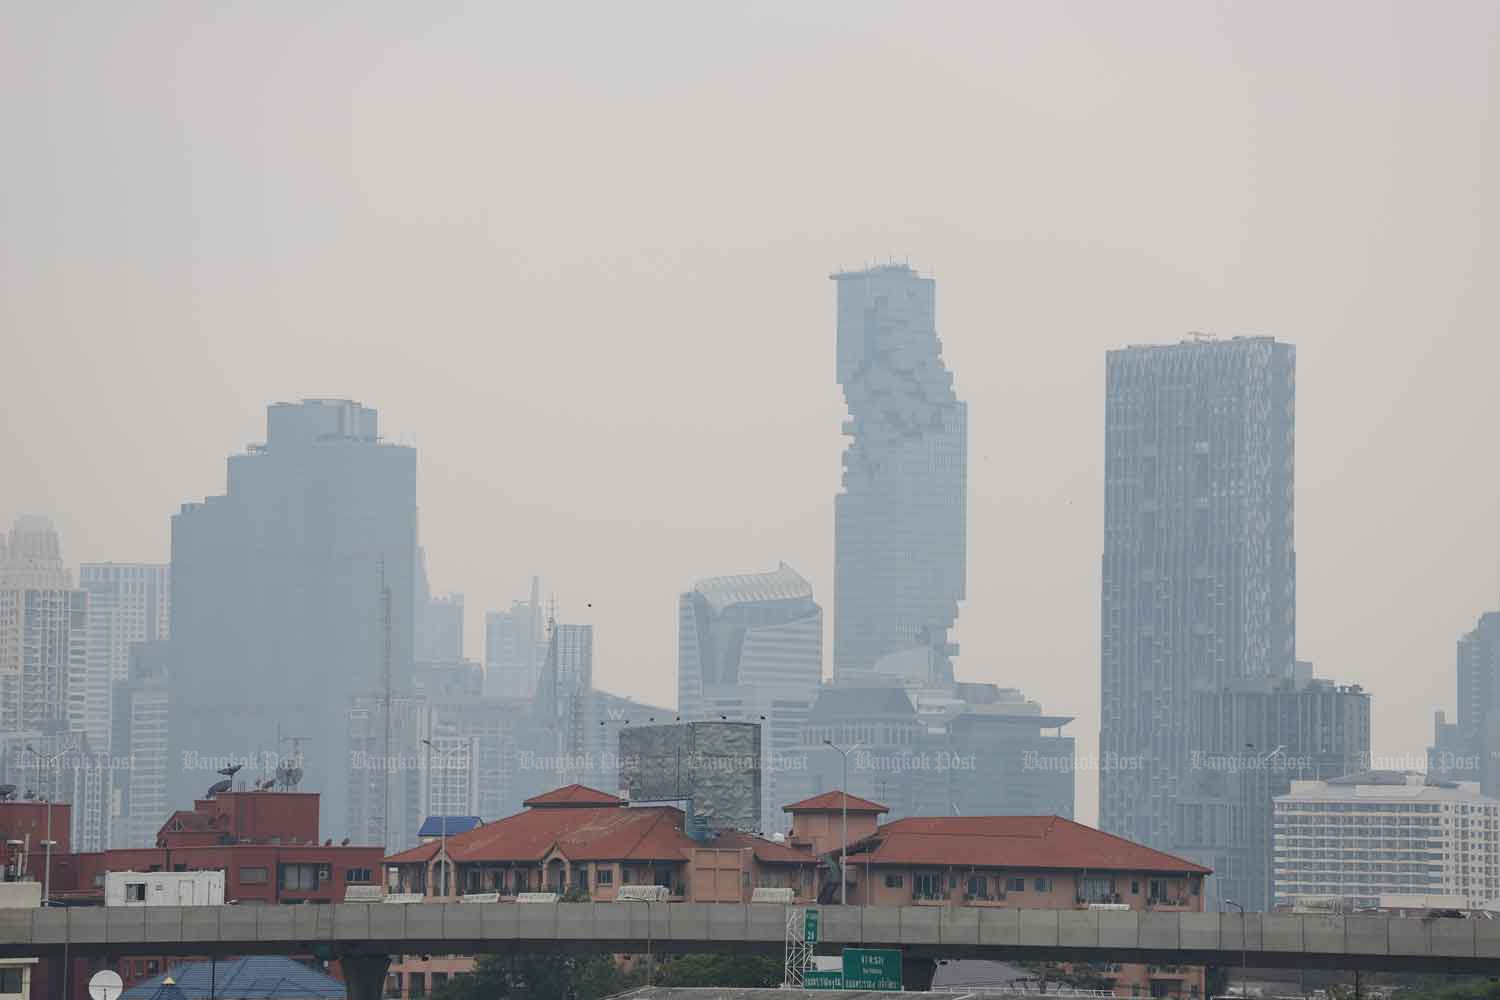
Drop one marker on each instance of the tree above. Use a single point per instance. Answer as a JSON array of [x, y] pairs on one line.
[[743, 971], [540, 977]]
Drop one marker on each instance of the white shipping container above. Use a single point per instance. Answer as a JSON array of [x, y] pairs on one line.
[[164, 889]]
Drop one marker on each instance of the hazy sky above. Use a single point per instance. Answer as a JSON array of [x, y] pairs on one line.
[[578, 255]]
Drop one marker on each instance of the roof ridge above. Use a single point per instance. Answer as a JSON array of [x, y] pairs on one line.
[[1132, 843]]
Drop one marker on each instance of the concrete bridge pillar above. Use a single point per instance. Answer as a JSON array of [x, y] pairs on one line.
[[916, 973], [364, 975]]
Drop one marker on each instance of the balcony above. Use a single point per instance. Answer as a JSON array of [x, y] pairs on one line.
[[1167, 903]]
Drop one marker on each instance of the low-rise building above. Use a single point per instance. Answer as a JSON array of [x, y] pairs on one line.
[[581, 839], [1045, 862], [1382, 833], [578, 841]]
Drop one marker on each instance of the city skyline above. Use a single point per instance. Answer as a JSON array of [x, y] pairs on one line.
[[620, 378]]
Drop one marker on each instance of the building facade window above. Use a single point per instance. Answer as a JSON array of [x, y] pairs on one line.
[[299, 878], [254, 875]]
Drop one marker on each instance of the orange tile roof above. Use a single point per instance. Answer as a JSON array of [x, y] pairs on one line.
[[574, 795], [581, 833], [833, 801], [1036, 842], [766, 851]]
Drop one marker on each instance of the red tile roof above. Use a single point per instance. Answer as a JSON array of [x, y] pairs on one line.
[[1036, 842], [766, 851], [833, 801], [581, 833], [574, 795]]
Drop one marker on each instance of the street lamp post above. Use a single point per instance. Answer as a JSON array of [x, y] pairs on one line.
[[844, 840], [1244, 948], [443, 841], [51, 793]]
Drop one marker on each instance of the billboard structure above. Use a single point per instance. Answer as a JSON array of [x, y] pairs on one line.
[[714, 766]]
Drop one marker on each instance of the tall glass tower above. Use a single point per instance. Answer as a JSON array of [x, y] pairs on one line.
[[1198, 607], [900, 520], [278, 615]]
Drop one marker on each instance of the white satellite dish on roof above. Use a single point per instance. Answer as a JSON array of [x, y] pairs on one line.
[[105, 984]]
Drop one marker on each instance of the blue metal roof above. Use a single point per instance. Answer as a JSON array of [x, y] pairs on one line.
[[432, 826], [259, 977]]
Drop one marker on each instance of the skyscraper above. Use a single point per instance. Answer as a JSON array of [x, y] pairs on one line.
[[1199, 588], [43, 633], [49, 723], [900, 520], [750, 648], [1469, 750], [278, 612], [515, 646], [139, 735]]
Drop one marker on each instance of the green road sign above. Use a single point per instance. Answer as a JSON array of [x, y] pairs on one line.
[[823, 979], [810, 927], [872, 969]]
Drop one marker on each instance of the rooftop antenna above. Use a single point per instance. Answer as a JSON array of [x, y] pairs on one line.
[[289, 774]]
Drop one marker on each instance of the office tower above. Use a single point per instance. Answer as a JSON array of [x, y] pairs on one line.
[[281, 592], [1469, 748], [139, 735], [1199, 585], [750, 648], [900, 520], [1388, 833], [515, 646], [128, 603]]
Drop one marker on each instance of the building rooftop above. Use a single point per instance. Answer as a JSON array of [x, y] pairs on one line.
[[609, 831], [1035, 842], [574, 795], [1395, 786], [438, 826], [842, 702], [834, 802], [259, 977], [781, 584]]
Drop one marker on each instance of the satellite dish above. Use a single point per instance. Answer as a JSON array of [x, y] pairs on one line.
[[230, 772], [219, 786], [105, 984]]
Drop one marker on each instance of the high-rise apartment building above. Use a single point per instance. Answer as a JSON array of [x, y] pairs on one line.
[[43, 633], [515, 646], [290, 593], [129, 603], [1199, 585], [1387, 833], [48, 719], [750, 648], [900, 520]]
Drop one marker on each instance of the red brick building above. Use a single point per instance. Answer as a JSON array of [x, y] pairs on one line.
[[265, 843]]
